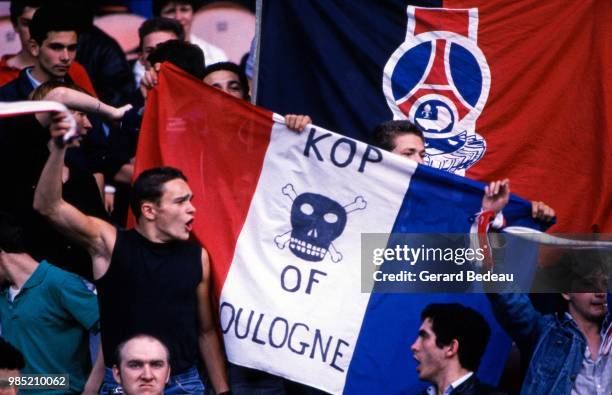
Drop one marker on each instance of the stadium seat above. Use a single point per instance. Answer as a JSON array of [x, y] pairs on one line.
[[124, 29], [9, 41], [230, 27]]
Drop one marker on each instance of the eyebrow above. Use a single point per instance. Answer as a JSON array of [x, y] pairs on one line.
[[183, 198]]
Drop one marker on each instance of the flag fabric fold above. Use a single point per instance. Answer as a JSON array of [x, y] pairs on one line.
[[282, 213], [514, 90]]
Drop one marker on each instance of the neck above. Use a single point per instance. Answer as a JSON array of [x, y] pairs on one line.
[[587, 327], [591, 331], [453, 373], [19, 268], [40, 75], [22, 60], [148, 231]]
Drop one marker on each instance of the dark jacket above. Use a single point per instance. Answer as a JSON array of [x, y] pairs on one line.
[[106, 65], [473, 386]]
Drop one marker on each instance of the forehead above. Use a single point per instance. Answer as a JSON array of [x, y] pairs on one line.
[[220, 76], [65, 38], [174, 4], [408, 141], [152, 39], [143, 348], [175, 188], [426, 326]]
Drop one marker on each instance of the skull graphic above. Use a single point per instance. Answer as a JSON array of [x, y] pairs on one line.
[[316, 221]]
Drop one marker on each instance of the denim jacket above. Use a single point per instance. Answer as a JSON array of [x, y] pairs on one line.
[[554, 343]]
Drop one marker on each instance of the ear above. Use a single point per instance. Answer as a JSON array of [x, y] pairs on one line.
[[33, 47], [147, 210], [453, 348], [566, 296], [116, 375]]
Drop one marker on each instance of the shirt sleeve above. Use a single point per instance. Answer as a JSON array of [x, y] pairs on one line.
[[80, 302]]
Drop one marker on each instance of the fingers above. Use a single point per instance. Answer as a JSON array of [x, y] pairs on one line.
[[497, 187], [297, 122], [122, 110], [60, 124], [542, 211], [149, 80]]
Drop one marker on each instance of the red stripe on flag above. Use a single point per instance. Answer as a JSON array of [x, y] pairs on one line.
[[456, 21], [219, 142]]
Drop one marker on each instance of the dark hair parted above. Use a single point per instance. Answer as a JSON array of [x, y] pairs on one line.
[[233, 68], [383, 135], [159, 24], [182, 54], [454, 321], [149, 186], [12, 238], [54, 18]]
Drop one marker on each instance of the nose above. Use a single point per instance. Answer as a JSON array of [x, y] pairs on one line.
[[65, 55], [147, 373], [191, 208], [414, 346]]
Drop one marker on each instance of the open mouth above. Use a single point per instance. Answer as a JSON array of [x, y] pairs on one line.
[[189, 225]]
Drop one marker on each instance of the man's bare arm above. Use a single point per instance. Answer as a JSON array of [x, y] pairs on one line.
[[82, 102], [96, 235], [208, 338]]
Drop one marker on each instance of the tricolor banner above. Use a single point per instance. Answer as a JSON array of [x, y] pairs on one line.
[[500, 89], [282, 215]]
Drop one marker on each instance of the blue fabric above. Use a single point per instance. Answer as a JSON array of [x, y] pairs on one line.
[[331, 53], [553, 342], [382, 363]]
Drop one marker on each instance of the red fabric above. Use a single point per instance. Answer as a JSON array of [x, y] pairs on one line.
[[547, 119], [219, 142], [455, 21], [77, 73]]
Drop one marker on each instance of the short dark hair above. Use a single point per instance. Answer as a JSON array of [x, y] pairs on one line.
[[140, 335], [149, 186], [234, 68], [383, 135], [10, 357], [159, 24], [159, 4], [12, 236], [54, 18], [454, 321], [17, 7], [182, 54]]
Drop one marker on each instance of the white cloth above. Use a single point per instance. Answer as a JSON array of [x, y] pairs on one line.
[[212, 54]]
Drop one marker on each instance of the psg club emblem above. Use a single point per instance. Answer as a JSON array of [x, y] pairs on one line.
[[439, 79]]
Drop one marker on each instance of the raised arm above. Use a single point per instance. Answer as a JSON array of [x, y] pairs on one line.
[[208, 339], [82, 102], [96, 235]]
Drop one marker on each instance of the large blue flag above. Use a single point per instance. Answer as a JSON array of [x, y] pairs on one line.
[[500, 89]]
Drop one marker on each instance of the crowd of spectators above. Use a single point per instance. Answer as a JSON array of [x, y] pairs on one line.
[[70, 273]]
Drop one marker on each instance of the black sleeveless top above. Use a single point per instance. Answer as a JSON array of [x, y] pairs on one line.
[[150, 288]]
